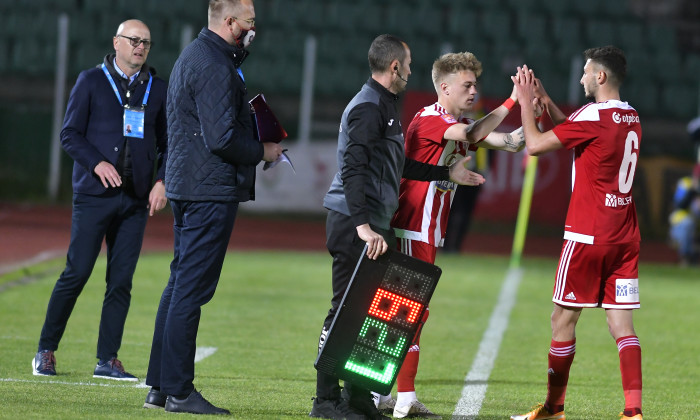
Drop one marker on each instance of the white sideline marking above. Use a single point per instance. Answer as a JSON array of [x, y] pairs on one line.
[[38, 381], [203, 352], [36, 259], [476, 381]]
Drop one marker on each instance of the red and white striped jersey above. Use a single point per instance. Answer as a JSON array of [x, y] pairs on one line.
[[424, 207], [605, 138]]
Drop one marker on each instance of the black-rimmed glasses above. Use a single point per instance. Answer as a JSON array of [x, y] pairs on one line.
[[135, 41]]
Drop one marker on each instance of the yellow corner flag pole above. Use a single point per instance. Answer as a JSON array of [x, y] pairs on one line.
[[523, 212]]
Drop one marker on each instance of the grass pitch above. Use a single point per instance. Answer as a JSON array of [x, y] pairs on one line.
[[266, 315]]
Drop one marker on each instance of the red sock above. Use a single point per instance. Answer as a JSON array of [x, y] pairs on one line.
[[561, 355], [631, 369], [406, 381]]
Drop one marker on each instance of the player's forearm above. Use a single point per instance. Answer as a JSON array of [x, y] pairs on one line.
[[514, 141], [530, 130], [485, 125], [509, 142]]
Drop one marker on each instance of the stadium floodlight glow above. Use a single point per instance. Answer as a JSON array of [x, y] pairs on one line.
[[378, 320]]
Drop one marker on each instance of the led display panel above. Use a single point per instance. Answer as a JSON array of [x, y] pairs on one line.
[[378, 319]]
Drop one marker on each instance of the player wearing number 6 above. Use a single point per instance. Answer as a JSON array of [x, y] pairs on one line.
[[598, 263]]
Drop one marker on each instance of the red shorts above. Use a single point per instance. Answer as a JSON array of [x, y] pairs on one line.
[[417, 249], [603, 276]]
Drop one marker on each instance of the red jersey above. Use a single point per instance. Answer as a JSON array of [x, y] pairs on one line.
[[424, 207], [605, 137]]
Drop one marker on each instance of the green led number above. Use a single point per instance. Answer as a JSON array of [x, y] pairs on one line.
[[383, 332], [383, 377]]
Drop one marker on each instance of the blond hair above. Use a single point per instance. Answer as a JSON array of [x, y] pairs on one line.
[[452, 63]]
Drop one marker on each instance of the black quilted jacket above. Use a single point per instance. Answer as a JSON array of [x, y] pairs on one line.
[[212, 153]]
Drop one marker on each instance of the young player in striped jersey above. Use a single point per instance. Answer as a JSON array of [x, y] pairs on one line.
[[439, 134], [598, 263]]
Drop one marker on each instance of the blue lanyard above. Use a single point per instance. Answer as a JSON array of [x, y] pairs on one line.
[[240, 73], [116, 91]]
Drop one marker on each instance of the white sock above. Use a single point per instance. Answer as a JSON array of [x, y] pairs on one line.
[[379, 398], [405, 398]]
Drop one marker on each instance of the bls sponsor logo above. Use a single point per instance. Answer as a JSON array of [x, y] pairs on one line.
[[611, 200], [627, 290], [629, 119]]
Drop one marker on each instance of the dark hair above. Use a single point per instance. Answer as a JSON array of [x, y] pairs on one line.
[[385, 49], [612, 58]]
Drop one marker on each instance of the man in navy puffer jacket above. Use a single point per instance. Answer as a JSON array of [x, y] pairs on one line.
[[211, 168]]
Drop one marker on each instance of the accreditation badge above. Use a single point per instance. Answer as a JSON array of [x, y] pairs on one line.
[[134, 122]]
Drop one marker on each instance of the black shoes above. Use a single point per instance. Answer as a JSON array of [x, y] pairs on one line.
[[367, 408], [342, 409], [335, 409], [155, 399], [194, 403]]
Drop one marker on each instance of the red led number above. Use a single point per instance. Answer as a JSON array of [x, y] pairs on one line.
[[386, 305]]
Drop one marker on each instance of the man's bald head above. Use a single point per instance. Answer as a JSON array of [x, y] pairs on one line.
[[132, 24]]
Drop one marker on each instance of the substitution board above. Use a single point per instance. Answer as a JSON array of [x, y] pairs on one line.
[[378, 319]]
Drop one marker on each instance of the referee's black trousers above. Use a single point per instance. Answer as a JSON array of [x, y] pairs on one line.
[[346, 248]]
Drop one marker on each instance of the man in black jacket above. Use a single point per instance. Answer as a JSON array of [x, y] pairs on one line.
[[364, 196], [113, 189], [211, 168]]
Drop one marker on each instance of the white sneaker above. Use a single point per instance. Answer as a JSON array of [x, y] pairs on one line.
[[415, 409]]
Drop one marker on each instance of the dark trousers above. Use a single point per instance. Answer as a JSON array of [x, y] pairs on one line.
[[120, 220], [202, 233], [346, 248], [461, 212]]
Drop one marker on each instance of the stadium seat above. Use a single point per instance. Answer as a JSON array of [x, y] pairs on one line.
[[613, 9], [639, 65], [428, 20], [351, 17], [670, 61], [600, 32], [538, 55], [496, 26], [462, 22], [32, 56], [661, 37], [556, 8], [401, 21], [642, 95], [566, 30], [526, 6], [680, 101], [532, 28], [691, 67], [3, 56], [631, 35]]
